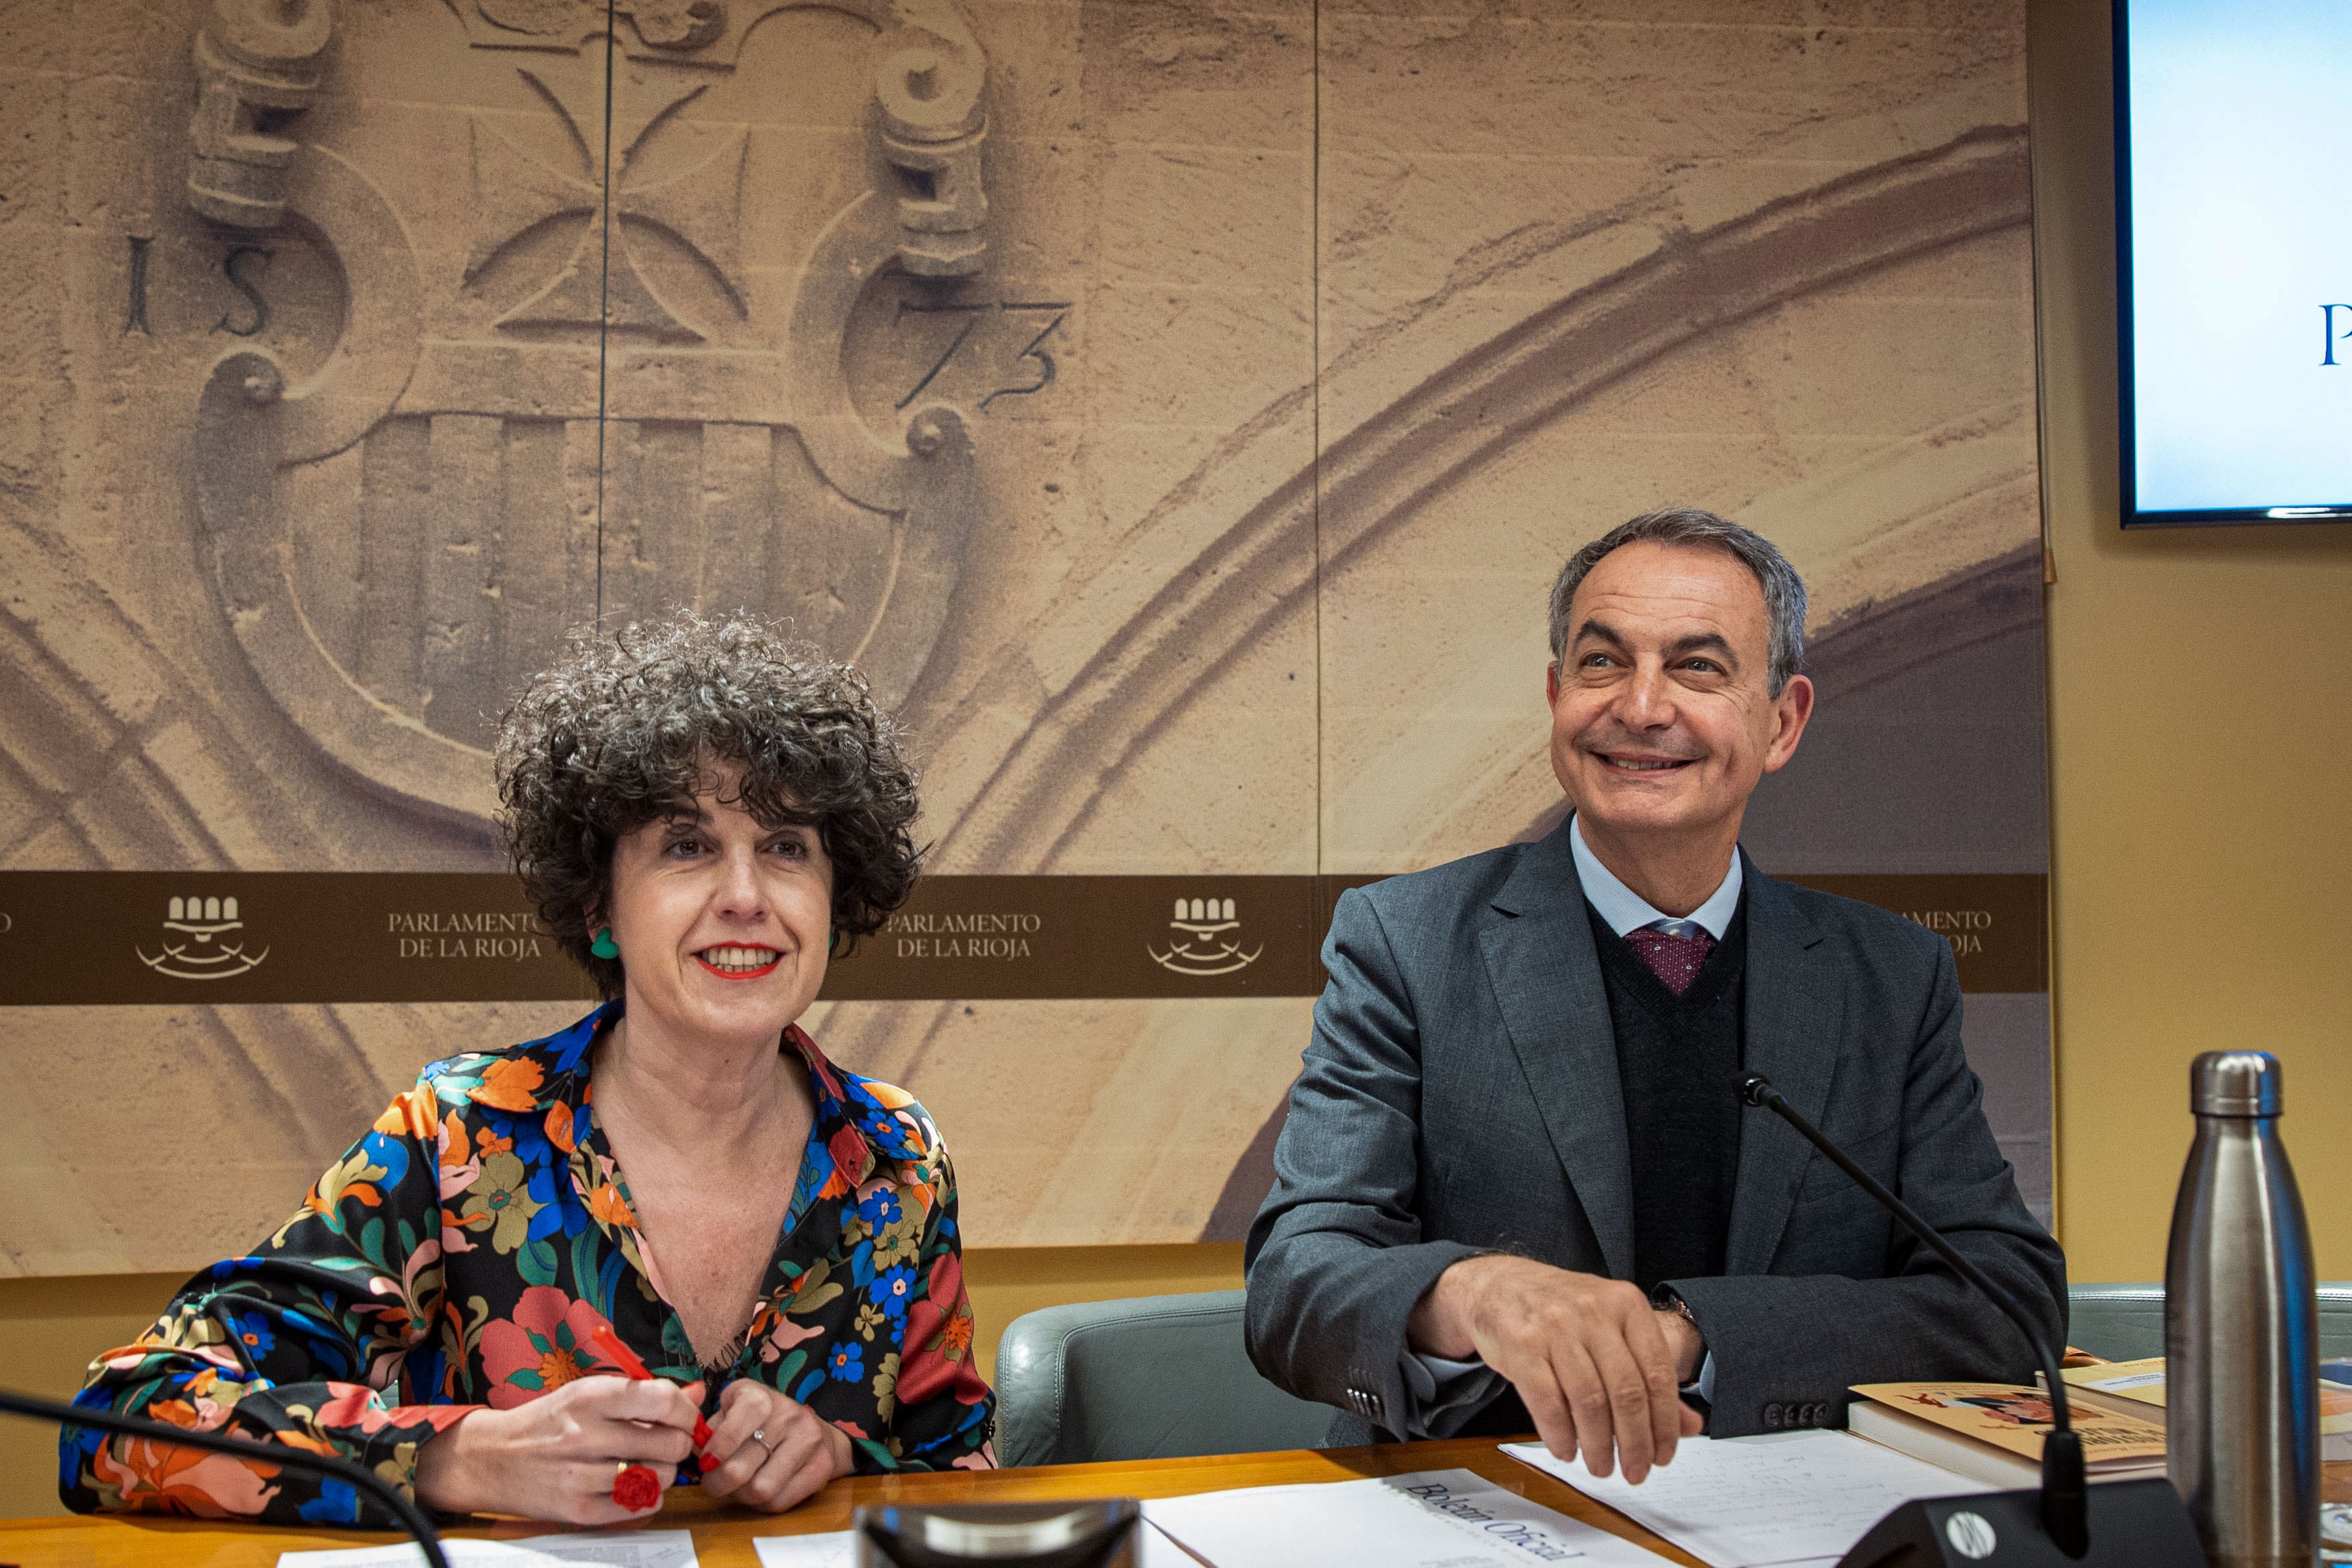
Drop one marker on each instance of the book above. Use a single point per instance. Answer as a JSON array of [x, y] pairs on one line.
[[2129, 1387], [2136, 1387], [1992, 1432], [1979, 1462]]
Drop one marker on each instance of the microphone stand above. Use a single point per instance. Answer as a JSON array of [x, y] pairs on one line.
[[2139, 1525], [2064, 1508], [411, 1517]]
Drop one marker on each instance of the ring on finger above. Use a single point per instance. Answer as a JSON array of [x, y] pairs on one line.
[[635, 1486], [761, 1438]]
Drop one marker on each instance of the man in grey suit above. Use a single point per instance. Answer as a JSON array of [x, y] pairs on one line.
[[1516, 1188]]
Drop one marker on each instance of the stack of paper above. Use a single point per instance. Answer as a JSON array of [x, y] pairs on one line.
[[1433, 1516], [1745, 1502], [582, 1549]]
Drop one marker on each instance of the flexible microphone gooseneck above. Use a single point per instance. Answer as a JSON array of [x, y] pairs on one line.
[[411, 1517], [2066, 1510]]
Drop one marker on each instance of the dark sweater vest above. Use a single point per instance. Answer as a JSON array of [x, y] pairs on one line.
[[1677, 1057]]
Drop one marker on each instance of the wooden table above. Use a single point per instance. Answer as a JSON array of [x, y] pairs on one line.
[[722, 1536]]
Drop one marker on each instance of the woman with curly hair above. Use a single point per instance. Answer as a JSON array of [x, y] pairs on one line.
[[679, 1183]]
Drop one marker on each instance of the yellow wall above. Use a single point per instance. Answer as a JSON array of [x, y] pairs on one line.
[[2201, 764], [2200, 759]]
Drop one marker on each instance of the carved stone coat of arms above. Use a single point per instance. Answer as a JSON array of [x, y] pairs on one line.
[[616, 337]]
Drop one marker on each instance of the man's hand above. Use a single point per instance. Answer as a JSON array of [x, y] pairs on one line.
[[556, 1457], [794, 1453], [1596, 1365]]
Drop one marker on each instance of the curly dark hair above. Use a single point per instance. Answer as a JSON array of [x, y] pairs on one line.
[[627, 728]]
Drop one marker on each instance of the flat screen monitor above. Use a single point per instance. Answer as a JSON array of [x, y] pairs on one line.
[[2234, 177]]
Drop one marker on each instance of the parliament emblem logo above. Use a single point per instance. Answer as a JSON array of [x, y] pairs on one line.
[[1205, 940], [202, 942]]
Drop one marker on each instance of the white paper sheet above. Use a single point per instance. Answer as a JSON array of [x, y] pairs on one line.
[[828, 1549], [1745, 1502], [599, 1548], [836, 1549], [1421, 1521]]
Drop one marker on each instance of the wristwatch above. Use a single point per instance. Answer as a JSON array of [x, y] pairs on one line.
[[1666, 1299]]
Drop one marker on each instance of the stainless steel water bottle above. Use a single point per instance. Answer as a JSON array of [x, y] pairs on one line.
[[2242, 1327]]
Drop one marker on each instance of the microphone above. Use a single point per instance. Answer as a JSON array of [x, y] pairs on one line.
[[2138, 1526], [411, 1517]]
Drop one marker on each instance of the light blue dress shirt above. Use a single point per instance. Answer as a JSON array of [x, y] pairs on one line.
[[1626, 910], [1438, 1384]]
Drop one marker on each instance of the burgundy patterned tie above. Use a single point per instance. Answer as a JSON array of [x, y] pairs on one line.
[[1673, 949]]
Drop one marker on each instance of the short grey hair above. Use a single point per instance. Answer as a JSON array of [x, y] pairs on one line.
[[1784, 591]]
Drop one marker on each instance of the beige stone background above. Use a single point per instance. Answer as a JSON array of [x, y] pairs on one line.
[[1364, 315]]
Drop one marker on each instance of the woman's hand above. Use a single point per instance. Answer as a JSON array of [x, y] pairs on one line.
[[773, 1451], [556, 1457]]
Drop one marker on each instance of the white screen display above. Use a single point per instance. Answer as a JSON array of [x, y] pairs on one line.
[[2240, 253]]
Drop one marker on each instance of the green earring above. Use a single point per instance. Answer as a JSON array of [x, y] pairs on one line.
[[832, 943], [605, 946]]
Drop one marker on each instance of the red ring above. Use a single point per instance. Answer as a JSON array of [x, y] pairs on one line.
[[637, 1488]]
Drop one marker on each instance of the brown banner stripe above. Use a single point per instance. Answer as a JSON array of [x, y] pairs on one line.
[[84, 938], [1998, 925]]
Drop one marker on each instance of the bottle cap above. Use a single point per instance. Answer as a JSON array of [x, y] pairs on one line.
[[2234, 1083]]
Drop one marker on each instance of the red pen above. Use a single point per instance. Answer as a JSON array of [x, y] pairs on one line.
[[609, 1345]]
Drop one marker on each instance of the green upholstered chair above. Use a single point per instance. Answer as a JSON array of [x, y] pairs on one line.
[[1161, 1377], [2121, 1322], [1156, 1377], [2125, 1323]]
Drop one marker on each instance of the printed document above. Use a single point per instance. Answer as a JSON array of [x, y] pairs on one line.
[[577, 1548], [1433, 1518], [826, 1549], [1745, 1502]]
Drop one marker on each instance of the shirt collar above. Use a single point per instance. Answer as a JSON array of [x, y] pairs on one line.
[[1626, 910]]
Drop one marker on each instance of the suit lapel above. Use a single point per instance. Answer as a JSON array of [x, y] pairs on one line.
[[1538, 945], [1794, 1012]]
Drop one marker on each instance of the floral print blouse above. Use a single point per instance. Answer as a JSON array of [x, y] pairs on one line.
[[459, 1256]]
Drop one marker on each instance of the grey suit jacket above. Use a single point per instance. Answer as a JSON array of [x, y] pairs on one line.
[[1460, 1095]]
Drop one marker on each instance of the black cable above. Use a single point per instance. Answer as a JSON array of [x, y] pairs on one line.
[[394, 1501]]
